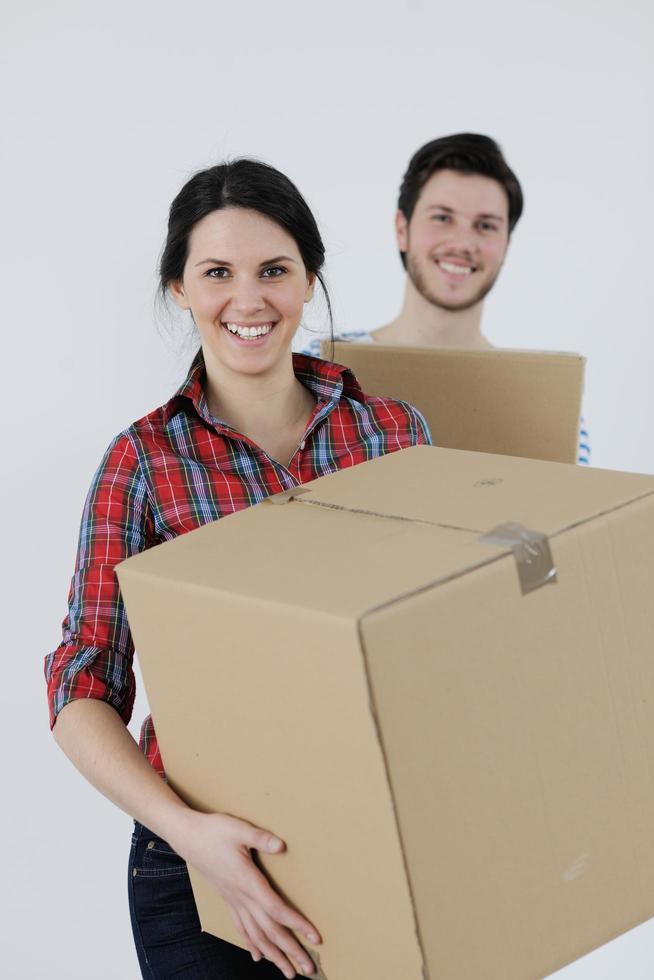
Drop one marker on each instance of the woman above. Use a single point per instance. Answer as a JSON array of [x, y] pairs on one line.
[[243, 255]]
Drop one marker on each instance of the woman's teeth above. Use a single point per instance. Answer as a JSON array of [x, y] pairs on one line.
[[247, 332]]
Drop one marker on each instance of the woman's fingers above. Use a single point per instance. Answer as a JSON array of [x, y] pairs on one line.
[[275, 919], [271, 951], [276, 908], [264, 895], [222, 851], [293, 920], [284, 940], [254, 952], [278, 919]]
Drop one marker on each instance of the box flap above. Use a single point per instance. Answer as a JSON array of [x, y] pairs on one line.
[[515, 403], [416, 515]]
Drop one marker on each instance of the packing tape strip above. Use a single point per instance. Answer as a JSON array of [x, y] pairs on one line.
[[532, 553], [531, 549]]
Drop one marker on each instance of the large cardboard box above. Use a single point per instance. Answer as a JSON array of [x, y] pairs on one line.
[[515, 403], [459, 757]]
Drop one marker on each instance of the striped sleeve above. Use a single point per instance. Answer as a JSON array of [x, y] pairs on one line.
[[583, 455], [94, 659], [409, 423], [419, 426], [313, 347]]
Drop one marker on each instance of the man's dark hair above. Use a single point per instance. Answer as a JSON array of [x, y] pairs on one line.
[[467, 153]]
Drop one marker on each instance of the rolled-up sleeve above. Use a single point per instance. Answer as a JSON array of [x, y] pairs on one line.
[[94, 659], [418, 429], [423, 435]]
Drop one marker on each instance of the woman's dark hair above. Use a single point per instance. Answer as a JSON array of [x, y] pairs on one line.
[[468, 153], [241, 184]]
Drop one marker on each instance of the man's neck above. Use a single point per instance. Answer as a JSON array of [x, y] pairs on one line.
[[421, 324]]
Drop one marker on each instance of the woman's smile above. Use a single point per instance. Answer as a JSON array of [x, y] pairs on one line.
[[250, 334]]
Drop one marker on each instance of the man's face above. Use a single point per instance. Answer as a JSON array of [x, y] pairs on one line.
[[457, 238]]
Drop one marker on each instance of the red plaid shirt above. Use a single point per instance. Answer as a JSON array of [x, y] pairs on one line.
[[179, 468]]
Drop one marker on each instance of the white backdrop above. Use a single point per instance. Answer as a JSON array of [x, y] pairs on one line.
[[107, 110]]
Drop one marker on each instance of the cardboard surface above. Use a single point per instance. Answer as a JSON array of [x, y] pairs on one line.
[[462, 772], [513, 403]]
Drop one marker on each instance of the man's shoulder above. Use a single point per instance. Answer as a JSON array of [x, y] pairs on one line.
[[356, 336], [313, 348]]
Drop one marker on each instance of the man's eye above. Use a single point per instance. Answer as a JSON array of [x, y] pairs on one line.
[[273, 272], [443, 218], [487, 226], [217, 273]]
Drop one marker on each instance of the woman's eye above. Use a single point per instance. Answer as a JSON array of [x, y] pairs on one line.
[[218, 273], [273, 272]]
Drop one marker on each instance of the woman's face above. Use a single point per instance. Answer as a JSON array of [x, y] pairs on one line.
[[246, 285]]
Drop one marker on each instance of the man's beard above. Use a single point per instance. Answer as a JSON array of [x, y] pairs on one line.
[[418, 281]]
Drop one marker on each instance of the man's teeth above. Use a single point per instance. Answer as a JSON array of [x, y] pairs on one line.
[[245, 332], [457, 270]]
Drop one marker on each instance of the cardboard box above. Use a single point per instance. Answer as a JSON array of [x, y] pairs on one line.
[[515, 403], [462, 770]]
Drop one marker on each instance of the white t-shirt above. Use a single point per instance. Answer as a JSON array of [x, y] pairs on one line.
[[363, 337]]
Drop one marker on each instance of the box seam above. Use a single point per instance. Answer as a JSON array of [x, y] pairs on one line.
[[375, 720], [443, 580]]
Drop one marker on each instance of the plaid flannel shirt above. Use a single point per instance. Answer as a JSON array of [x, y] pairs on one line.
[[176, 469]]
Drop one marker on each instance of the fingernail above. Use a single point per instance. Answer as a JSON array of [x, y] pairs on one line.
[[313, 937], [276, 844]]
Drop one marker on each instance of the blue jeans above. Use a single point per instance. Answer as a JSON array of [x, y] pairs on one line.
[[165, 923]]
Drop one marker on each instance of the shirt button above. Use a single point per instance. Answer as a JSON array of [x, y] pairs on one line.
[[302, 444]]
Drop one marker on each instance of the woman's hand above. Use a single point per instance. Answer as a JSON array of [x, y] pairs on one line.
[[96, 740], [220, 847]]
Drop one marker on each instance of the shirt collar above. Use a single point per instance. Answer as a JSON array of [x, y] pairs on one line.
[[329, 382]]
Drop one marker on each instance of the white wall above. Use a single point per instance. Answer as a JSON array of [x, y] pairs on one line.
[[107, 109]]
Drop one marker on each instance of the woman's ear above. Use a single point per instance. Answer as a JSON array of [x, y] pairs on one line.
[[176, 287], [311, 285]]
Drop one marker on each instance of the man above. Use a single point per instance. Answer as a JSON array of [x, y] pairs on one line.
[[458, 205]]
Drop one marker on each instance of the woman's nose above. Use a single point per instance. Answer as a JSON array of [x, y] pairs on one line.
[[247, 297]]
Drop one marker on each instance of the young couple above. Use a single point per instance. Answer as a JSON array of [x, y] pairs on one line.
[[243, 255]]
